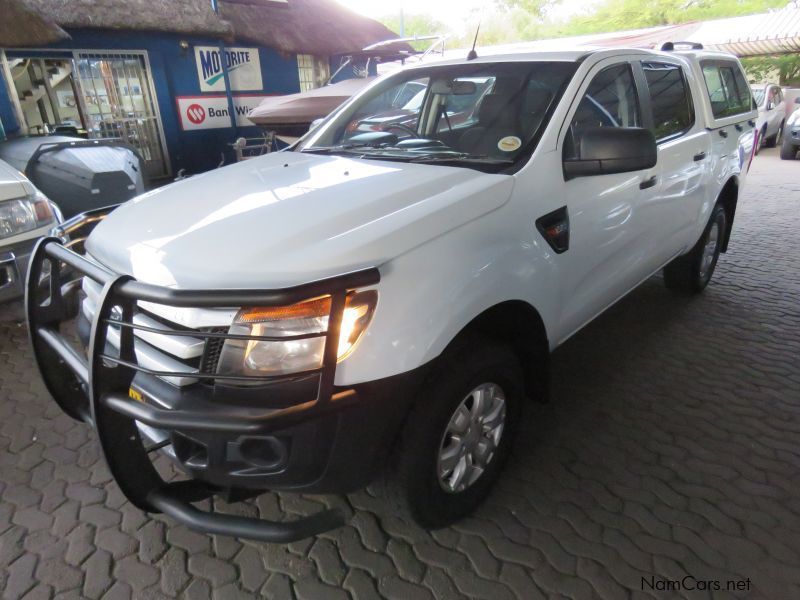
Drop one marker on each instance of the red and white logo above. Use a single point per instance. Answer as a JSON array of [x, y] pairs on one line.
[[196, 114]]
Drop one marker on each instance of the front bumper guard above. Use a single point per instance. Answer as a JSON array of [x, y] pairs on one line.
[[96, 389]]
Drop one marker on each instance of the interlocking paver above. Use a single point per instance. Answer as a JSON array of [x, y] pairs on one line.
[[671, 446]]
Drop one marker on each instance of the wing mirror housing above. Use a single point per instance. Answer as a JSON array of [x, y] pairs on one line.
[[607, 150]]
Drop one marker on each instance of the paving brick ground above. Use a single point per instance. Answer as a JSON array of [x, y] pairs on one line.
[[672, 448]]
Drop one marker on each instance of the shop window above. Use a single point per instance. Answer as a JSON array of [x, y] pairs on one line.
[[314, 71]]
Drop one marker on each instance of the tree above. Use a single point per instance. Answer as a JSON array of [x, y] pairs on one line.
[[762, 68], [420, 25], [617, 15]]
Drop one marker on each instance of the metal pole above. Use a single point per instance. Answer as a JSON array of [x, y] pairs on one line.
[[225, 77], [11, 90]]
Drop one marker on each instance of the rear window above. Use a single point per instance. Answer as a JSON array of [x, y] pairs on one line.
[[727, 88], [673, 110]]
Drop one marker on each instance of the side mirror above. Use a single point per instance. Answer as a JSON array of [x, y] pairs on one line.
[[606, 150]]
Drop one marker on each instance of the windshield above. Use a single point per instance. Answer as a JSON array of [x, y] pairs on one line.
[[758, 96], [484, 116]]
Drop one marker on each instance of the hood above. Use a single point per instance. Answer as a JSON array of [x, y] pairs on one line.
[[288, 218], [12, 183]]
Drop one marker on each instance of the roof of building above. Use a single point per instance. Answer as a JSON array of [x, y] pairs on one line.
[[175, 16], [321, 27], [21, 26]]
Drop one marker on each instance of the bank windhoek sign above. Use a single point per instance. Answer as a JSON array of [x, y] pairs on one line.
[[244, 68], [211, 112]]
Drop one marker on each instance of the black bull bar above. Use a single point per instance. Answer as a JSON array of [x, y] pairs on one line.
[[95, 389]]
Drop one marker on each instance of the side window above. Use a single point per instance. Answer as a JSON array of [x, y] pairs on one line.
[[670, 98], [727, 89], [610, 101]]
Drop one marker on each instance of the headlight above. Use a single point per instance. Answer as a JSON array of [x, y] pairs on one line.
[[269, 358], [24, 214]]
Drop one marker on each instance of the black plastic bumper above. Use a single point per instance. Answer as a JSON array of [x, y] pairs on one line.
[[97, 390]]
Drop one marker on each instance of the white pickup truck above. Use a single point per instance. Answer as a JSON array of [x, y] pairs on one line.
[[385, 301]]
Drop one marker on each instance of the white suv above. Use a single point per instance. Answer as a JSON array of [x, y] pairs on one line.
[[771, 113], [386, 301]]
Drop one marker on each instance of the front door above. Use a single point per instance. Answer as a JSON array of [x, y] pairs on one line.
[[607, 234]]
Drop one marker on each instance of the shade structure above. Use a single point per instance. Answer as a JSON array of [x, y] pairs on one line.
[[297, 110]]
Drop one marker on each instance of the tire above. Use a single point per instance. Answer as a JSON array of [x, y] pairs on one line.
[[788, 149], [415, 482], [693, 271], [773, 140]]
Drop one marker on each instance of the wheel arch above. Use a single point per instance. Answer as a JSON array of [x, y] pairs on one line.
[[518, 324], [728, 198]]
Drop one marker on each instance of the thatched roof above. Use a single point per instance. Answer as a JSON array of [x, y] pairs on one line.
[[20, 26], [321, 27], [174, 16]]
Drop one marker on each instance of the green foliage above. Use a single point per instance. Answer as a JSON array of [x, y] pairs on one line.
[[527, 20], [617, 15], [416, 25], [785, 68]]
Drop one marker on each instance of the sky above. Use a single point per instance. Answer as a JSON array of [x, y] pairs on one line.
[[447, 11]]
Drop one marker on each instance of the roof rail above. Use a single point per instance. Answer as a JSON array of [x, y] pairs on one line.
[[670, 46]]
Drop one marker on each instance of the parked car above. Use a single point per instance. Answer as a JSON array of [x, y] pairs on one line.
[[771, 113], [791, 135], [386, 302], [25, 215], [80, 175]]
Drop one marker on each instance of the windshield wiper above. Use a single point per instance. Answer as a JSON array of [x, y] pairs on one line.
[[462, 158], [339, 148]]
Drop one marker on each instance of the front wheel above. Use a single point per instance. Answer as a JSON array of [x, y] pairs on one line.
[[692, 271], [459, 434]]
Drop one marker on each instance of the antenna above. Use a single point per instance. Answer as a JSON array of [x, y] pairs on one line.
[[472, 54]]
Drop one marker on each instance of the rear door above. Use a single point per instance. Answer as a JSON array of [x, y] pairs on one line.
[[684, 156]]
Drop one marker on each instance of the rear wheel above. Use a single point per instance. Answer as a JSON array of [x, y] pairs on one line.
[[774, 140], [692, 271], [459, 434], [788, 149]]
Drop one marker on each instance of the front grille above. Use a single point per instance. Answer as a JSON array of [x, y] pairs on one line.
[[212, 351]]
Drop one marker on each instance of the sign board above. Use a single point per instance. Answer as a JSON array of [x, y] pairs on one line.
[[211, 112], [244, 68]]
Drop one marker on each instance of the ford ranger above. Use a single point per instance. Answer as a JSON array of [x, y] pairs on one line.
[[384, 302]]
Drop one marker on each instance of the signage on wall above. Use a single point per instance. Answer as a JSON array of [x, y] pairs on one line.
[[211, 112], [244, 68]]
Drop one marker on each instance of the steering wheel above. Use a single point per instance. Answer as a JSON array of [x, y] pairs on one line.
[[401, 127]]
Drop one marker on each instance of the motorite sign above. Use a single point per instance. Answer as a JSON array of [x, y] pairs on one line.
[[244, 68], [211, 112]]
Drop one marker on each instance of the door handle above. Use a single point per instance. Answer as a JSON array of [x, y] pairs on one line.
[[700, 156], [738, 127], [723, 133], [648, 183], [751, 123]]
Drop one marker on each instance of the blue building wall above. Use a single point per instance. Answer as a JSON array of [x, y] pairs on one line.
[[174, 74], [8, 122]]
